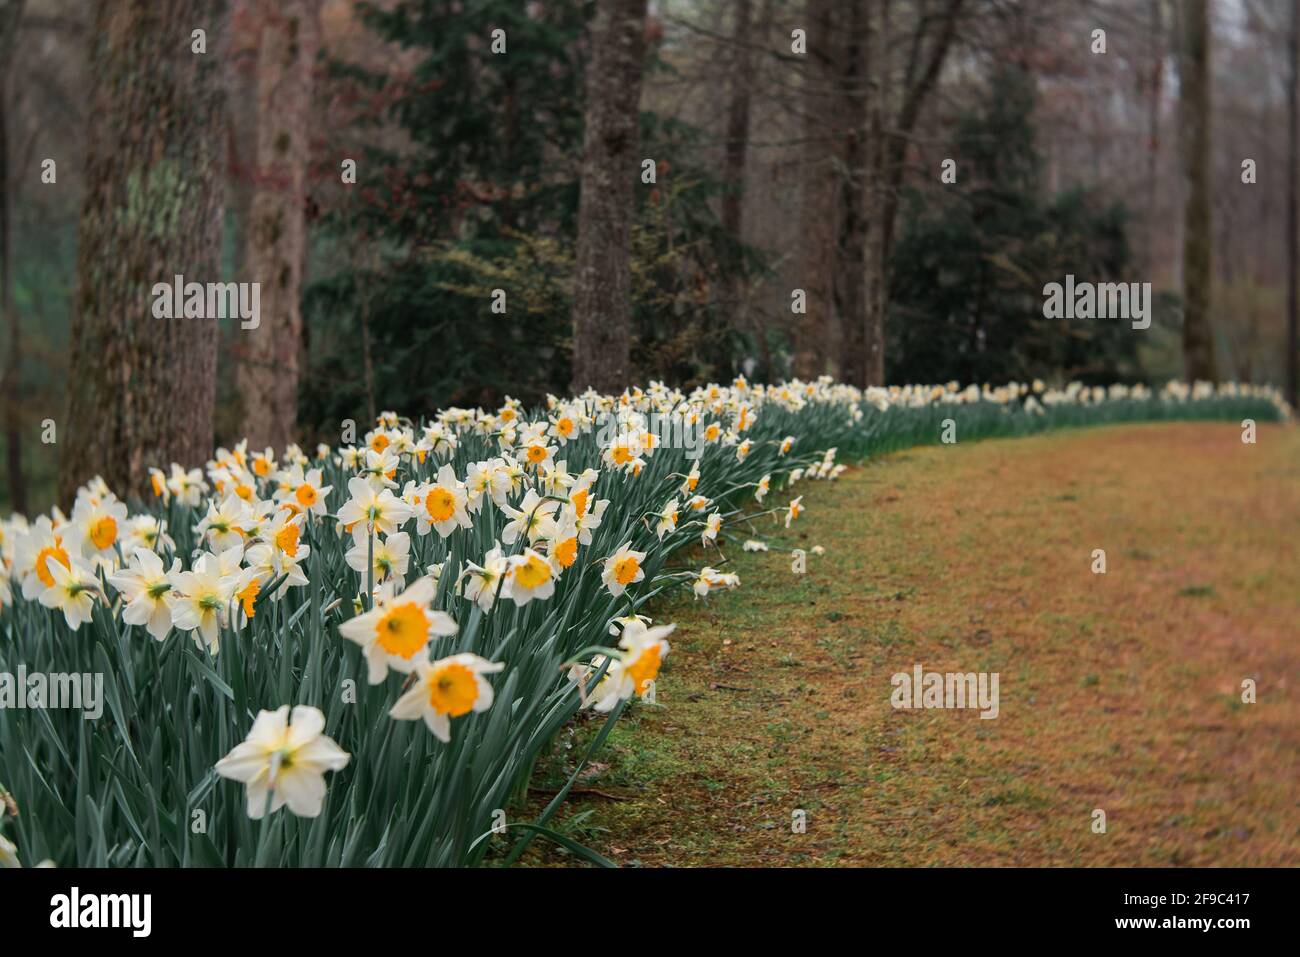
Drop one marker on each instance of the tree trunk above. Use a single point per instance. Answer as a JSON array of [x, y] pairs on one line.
[[851, 294], [141, 389], [10, 14], [1194, 121], [1293, 208], [733, 175], [873, 339], [1153, 228], [266, 377], [922, 73], [815, 348], [602, 308]]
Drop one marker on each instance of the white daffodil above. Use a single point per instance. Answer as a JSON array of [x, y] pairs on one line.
[[633, 671], [530, 576], [146, 589], [39, 543], [794, 510], [225, 525], [303, 490], [692, 480], [147, 532], [623, 568], [444, 505], [712, 525], [533, 518], [97, 525], [73, 592], [445, 689], [283, 762], [390, 556], [396, 632], [202, 595], [667, 519], [479, 583], [368, 509]]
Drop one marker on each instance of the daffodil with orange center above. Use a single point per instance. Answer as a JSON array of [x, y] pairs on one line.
[[396, 632], [622, 569], [447, 688]]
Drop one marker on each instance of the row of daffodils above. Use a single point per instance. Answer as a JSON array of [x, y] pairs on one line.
[[383, 637]]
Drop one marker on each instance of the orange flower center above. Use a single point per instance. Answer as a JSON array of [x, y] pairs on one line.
[[566, 553], [248, 596], [533, 573], [306, 495], [440, 504], [103, 531], [452, 690], [52, 551], [645, 668], [287, 540], [625, 569], [579, 500], [403, 630]]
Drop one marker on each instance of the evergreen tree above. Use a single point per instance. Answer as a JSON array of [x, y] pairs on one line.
[[968, 273]]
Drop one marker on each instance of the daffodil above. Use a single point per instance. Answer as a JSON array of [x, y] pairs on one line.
[[396, 632], [711, 527], [667, 519], [97, 525], [445, 689], [633, 672], [480, 583], [34, 547], [794, 510], [303, 491], [622, 569], [224, 525], [530, 576], [201, 599], [534, 518], [371, 509], [283, 762], [443, 505], [73, 592], [146, 589]]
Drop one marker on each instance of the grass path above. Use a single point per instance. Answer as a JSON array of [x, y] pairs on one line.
[[1118, 691]]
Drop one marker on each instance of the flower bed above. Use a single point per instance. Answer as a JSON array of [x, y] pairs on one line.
[[354, 656]]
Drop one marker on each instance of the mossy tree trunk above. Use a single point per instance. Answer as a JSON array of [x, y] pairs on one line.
[[140, 388], [10, 13], [276, 236], [814, 333], [602, 307], [1194, 121]]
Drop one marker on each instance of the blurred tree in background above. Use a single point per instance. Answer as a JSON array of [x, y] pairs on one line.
[[412, 195], [481, 194], [967, 275]]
